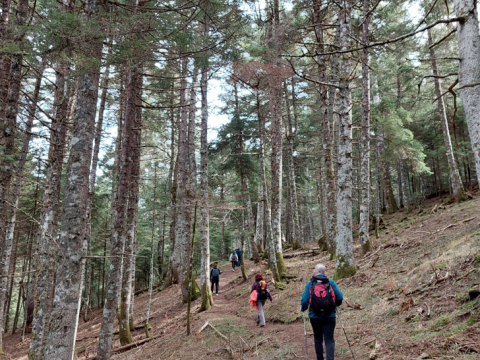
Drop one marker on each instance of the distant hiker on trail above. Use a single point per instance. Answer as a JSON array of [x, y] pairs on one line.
[[258, 295], [320, 297], [239, 256], [215, 277], [233, 259]]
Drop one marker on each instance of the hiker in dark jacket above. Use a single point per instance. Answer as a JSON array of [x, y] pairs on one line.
[[323, 325], [233, 259], [239, 256], [262, 295], [215, 277]]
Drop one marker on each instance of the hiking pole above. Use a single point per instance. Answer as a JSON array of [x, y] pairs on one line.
[[338, 313], [305, 331]]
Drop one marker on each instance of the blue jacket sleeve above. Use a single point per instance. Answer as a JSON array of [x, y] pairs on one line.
[[305, 297], [338, 293]]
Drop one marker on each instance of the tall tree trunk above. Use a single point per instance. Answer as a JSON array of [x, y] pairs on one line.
[[173, 185], [345, 266], [403, 185], [150, 283], [8, 131], [265, 199], [48, 230], [326, 158], [132, 217], [385, 171], [328, 129], [246, 201], [15, 197], [118, 234], [91, 186], [291, 135], [458, 192], [365, 136], [4, 62], [469, 76], [31, 288], [60, 342], [259, 230], [207, 300], [185, 192]]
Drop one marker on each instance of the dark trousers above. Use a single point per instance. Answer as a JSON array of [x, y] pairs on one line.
[[234, 263], [215, 281], [323, 330]]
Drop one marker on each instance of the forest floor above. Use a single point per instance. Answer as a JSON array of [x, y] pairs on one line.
[[408, 290]]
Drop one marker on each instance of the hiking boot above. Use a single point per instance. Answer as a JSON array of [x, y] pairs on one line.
[[262, 325]]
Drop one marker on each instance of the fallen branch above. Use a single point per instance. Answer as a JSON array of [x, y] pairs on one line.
[[353, 306], [201, 329], [300, 253], [218, 332], [129, 346], [464, 276], [456, 224]]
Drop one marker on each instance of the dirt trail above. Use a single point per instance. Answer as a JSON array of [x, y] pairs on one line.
[[407, 288]]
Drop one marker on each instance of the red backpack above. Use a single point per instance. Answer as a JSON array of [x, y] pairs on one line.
[[322, 297]]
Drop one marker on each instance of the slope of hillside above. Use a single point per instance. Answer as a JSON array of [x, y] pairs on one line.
[[409, 299]]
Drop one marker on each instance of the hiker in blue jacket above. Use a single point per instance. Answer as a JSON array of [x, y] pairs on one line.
[[323, 324], [215, 277], [239, 256]]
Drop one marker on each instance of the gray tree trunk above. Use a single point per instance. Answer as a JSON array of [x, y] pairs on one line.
[[48, 229], [128, 275], [291, 135], [13, 206], [207, 300], [259, 230], [458, 191], [117, 238], [328, 129], [91, 194], [468, 73], [365, 136], [185, 195], [60, 342], [345, 266], [29, 303], [7, 143]]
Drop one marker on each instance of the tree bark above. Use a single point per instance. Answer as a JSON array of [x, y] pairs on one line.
[[118, 234], [8, 125], [345, 266], [259, 229], [365, 136], [185, 192], [291, 135], [458, 192], [60, 342], [150, 283], [469, 76], [125, 320], [48, 229], [328, 129], [385, 170], [207, 300], [91, 186]]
